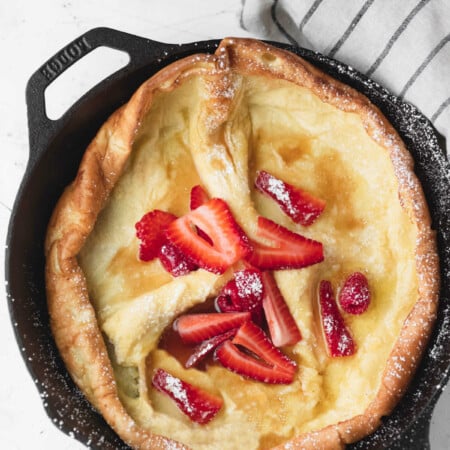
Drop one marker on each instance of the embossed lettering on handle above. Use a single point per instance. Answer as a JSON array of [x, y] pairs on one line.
[[65, 57]]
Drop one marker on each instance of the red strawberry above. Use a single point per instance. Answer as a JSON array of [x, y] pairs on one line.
[[299, 205], [282, 326], [195, 328], [199, 405], [229, 241], [224, 301], [150, 230], [354, 297], [290, 250], [198, 197], [243, 293], [236, 361], [337, 335], [254, 339], [206, 347], [174, 261]]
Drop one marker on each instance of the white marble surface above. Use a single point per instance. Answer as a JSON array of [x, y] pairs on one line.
[[31, 32]]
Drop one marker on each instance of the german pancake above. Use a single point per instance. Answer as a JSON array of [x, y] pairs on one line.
[[229, 188]]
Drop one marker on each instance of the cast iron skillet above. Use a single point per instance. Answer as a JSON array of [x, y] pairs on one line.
[[56, 148]]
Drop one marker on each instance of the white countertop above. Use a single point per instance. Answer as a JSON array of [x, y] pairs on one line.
[[30, 33]]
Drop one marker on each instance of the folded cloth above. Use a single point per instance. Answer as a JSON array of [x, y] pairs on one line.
[[404, 46]]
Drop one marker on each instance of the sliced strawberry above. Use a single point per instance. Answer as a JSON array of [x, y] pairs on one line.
[[354, 297], [299, 205], [243, 293], [337, 335], [151, 232], [282, 326], [199, 405], [195, 328], [236, 361], [289, 251], [224, 301], [174, 261], [254, 339], [198, 197], [229, 241], [207, 347]]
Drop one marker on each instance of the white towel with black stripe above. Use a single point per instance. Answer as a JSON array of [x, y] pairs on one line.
[[404, 45]]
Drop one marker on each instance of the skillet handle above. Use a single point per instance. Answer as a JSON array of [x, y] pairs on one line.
[[40, 126]]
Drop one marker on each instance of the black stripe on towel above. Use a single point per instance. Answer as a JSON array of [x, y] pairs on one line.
[[273, 13], [441, 108], [396, 35], [423, 66], [350, 28], [309, 14]]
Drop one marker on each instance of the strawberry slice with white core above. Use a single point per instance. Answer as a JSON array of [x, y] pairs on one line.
[[198, 197], [207, 347], [195, 328], [299, 205], [230, 243], [243, 293], [282, 326], [339, 340], [289, 250], [199, 405], [151, 232], [254, 339], [238, 362], [174, 261], [354, 296]]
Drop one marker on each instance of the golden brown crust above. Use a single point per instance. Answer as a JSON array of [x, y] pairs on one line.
[[73, 320]]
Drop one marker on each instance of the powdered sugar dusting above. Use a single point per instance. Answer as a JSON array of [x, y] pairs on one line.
[[278, 189], [249, 283], [175, 386]]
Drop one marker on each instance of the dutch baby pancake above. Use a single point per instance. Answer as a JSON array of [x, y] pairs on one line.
[[245, 259]]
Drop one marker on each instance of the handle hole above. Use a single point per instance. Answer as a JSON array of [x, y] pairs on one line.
[[94, 67]]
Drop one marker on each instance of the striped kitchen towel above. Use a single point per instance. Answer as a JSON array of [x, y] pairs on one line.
[[403, 45]]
